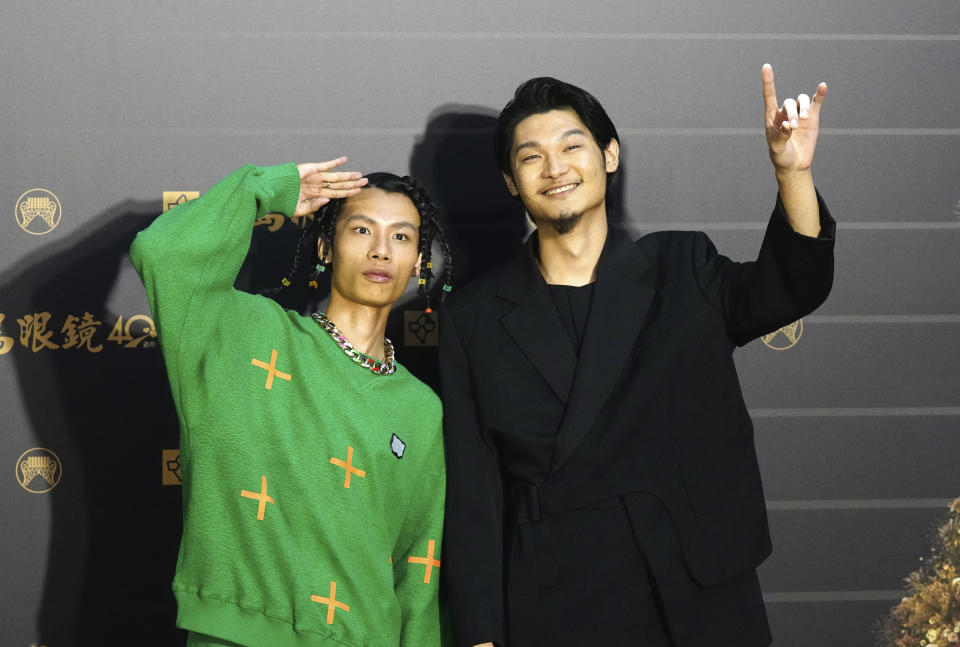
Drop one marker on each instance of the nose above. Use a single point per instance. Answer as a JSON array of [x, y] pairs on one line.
[[554, 166], [379, 247]]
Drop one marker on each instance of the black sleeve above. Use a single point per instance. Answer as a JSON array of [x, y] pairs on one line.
[[791, 277], [473, 532]]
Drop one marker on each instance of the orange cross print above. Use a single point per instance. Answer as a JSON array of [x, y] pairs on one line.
[[332, 603], [260, 496], [427, 561], [271, 369], [348, 465]]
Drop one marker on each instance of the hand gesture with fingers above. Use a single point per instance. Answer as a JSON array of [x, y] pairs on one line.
[[318, 185], [791, 128]]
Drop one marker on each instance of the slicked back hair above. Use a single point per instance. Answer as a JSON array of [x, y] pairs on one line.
[[543, 94]]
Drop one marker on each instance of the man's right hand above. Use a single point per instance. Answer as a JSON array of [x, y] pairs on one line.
[[318, 185]]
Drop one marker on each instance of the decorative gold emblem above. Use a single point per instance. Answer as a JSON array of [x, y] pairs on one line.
[[38, 211], [172, 475], [173, 198], [39, 470], [785, 337], [138, 328], [420, 328]]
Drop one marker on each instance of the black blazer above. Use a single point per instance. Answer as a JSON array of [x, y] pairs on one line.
[[652, 404]]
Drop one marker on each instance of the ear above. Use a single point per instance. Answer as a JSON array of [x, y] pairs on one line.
[[611, 155], [416, 268], [323, 257], [511, 185]]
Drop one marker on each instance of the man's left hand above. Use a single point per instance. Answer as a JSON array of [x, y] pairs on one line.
[[792, 127]]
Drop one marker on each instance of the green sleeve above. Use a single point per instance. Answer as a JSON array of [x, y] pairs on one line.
[[189, 257], [423, 624]]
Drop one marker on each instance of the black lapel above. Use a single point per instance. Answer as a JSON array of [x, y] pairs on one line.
[[533, 325], [621, 297]]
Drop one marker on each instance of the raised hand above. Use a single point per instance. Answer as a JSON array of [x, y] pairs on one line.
[[791, 128], [318, 185]]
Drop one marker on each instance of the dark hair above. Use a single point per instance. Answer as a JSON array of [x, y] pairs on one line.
[[544, 94], [324, 225]]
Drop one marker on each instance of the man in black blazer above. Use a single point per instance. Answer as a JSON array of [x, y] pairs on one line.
[[603, 486]]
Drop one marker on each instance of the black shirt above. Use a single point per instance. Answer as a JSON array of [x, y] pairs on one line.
[[573, 306]]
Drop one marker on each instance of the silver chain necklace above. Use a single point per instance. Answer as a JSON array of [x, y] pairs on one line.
[[386, 367]]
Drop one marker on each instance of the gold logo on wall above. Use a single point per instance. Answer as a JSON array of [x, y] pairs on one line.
[[173, 198], [420, 328], [785, 337], [39, 470], [38, 211], [171, 467]]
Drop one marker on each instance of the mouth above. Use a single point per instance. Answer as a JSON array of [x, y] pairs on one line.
[[561, 190], [378, 276]]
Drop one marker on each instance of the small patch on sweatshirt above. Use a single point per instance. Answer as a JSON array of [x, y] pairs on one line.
[[397, 446]]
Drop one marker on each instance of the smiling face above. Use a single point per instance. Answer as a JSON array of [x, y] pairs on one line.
[[375, 249], [558, 171]]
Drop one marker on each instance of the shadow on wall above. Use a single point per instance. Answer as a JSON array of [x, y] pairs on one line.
[[454, 161], [114, 529]]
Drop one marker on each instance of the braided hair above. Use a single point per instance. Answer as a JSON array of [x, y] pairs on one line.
[[324, 224]]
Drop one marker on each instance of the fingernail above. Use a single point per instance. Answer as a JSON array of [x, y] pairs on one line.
[[804, 114], [794, 123]]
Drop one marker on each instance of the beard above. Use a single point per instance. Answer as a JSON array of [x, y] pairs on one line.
[[563, 223]]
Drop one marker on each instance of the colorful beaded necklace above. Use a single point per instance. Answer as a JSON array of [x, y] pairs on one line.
[[386, 367]]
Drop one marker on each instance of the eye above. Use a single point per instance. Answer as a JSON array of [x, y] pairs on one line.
[[573, 147], [529, 157], [361, 230], [401, 236]]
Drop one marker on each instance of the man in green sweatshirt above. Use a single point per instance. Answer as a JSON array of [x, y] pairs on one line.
[[313, 467]]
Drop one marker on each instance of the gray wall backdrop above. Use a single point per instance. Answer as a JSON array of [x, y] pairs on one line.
[[108, 104]]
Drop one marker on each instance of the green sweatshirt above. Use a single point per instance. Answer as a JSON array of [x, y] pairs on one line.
[[313, 488]]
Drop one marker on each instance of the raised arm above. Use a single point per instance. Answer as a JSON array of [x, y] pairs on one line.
[[793, 272], [190, 256]]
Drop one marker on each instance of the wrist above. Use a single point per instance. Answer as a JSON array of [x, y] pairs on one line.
[[789, 176], [284, 183]]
